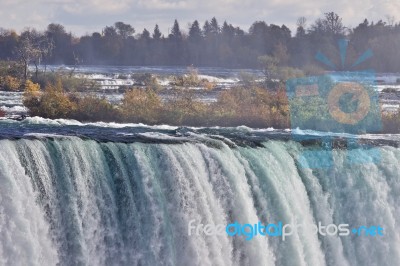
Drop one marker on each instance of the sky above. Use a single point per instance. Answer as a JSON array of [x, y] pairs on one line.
[[86, 16]]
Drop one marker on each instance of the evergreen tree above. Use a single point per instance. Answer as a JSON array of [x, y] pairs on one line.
[[207, 29], [215, 29], [176, 32], [213, 45], [145, 34], [195, 32], [228, 31], [156, 33]]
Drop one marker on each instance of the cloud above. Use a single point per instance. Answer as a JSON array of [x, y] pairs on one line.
[[164, 5], [86, 16], [95, 6]]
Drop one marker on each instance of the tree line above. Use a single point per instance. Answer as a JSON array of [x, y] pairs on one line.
[[210, 44]]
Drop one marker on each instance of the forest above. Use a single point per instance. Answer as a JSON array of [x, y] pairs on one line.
[[274, 49], [211, 44]]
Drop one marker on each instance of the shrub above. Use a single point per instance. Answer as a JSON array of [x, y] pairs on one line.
[[310, 112], [122, 76], [141, 105], [285, 73], [269, 65], [184, 109], [10, 83], [255, 107], [389, 90], [92, 108], [52, 103], [204, 83], [247, 79], [11, 75], [69, 83], [189, 80], [391, 122], [147, 80], [31, 97], [12, 68], [55, 103], [312, 70]]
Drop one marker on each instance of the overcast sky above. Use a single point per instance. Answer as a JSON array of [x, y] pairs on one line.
[[86, 16]]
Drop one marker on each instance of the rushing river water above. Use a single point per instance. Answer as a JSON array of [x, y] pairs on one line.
[[127, 194], [111, 78], [124, 194]]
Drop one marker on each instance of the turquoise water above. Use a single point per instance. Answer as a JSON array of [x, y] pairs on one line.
[[79, 201]]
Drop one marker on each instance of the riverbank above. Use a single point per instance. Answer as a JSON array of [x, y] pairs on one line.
[[191, 98]]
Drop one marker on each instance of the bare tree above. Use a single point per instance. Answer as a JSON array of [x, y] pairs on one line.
[[390, 20], [32, 48], [330, 24], [333, 23], [77, 61], [301, 27], [301, 22], [270, 66], [27, 50], [47, 47]]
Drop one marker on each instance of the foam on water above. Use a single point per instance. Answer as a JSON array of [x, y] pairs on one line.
[[83, 202]]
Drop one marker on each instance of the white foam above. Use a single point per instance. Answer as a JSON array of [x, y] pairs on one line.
[[71, 122], [14, 109], [44, 135], [218, 80], [382, 87], [158, 136], [163, 82]]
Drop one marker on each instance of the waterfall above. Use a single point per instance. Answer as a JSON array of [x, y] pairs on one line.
[[73, 201]]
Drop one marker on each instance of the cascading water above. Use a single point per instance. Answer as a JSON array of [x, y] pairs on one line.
[[77, 201]]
